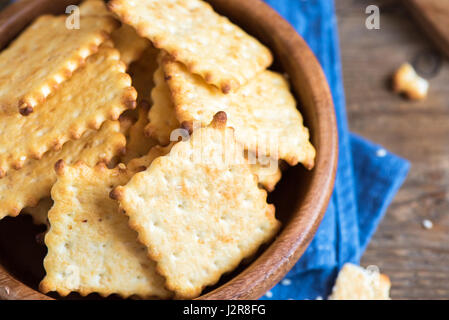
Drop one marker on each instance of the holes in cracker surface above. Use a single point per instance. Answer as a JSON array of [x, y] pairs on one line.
[[154, 225], [196, 237], [181, 205], [223, 219], [175, 255], [261, 229]]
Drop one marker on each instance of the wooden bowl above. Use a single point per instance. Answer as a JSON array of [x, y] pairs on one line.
[[301, 197]]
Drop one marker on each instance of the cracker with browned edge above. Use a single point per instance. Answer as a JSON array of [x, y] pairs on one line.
[[99, 91], [25, 187], [355, 283], [126, 40], [39, 213], [263, 112], [143, 162], [137, 143], [192, 32], [162, 116], [199, 209], [163, 121], [268, 174], [91, 248], [44, 56]]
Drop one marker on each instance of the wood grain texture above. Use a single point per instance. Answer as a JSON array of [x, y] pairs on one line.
[[417, 260], [433, 16], [12, 289], [301, 198]]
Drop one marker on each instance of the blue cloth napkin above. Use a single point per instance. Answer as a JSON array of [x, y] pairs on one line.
[[367, 179]]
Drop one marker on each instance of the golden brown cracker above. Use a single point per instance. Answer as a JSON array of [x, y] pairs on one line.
[[162, 116], [207, 43], [355, 283], [95, 8], [44, 56], [143, 162], [39, 213], [126, 40], [199, 209], [163, 121], [91, 248], [127, 119], [267, 172], [129, 43], [99, 91], [137, 143], [263, 112], [25, 187]]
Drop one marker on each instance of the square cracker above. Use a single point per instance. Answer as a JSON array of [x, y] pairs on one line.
[[207, 43], [126, 40], [98, 91], [263, 112], [25, 187], [91, 248], [162, 122], [198, 214], [44, 56], [355, 283], [39, 213]]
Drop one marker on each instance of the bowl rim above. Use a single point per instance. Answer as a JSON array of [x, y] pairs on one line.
[[274, 263]]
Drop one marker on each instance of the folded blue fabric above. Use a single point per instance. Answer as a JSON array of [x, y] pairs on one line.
[[368, 176]]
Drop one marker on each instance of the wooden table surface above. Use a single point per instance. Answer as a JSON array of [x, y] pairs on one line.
[[415, 259]]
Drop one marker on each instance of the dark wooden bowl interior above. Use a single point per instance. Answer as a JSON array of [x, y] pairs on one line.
[[300, 198]]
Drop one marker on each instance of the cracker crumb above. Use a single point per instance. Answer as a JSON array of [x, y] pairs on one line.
[[427, 224], [356, 283], [381, 153], [408, 82]]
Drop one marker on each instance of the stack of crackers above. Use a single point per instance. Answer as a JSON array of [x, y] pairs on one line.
[[137, 139]]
